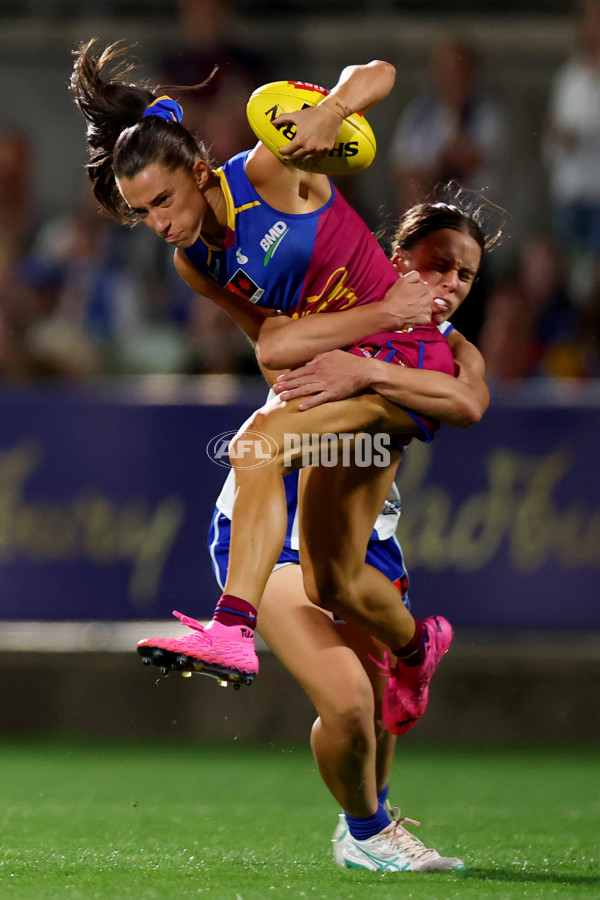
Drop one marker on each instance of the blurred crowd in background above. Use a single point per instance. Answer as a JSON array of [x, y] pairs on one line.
[[81, 297]]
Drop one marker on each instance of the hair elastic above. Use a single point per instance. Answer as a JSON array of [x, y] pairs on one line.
[[164, 108]]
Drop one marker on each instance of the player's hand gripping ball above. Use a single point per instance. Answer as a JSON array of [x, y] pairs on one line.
[[355, 146]]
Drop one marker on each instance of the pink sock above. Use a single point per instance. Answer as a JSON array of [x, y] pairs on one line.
[[232, 610]]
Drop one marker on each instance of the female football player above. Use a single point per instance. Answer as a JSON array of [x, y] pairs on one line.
[[145, 166], [335, 662]]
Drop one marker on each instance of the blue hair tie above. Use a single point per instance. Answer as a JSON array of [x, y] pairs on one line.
[[164, 108]]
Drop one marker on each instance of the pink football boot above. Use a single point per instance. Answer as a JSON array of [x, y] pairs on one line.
[[225, 652], [407, 690]]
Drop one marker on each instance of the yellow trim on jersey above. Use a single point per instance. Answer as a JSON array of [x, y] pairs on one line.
[[247, 206], [232, 210]]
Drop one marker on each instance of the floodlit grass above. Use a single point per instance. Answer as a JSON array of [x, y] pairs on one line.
[[91, 822]]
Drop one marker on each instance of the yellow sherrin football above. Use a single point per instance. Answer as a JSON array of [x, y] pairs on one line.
[[354, 149]]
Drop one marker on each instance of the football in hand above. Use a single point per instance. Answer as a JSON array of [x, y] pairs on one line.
[[355, 146]]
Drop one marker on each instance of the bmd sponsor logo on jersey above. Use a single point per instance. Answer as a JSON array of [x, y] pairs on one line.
[[272, 239], [241, 283]]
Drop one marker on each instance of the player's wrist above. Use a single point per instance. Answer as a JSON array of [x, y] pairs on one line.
[[365, 374], [389, 317], [377, 376], [336, 106]]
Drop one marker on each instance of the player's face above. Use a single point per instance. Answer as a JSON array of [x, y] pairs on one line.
[[448, 262], [170, 202]]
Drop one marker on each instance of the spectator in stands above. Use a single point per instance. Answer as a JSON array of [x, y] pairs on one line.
[[18, 309], [105, 306], [92, 298], [20, 306], [572, 153], [16, 191], [451, 132], [218, 113], [218, 110], [531, 327]]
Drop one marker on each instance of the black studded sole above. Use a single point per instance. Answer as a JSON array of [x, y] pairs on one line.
[[168, 661]]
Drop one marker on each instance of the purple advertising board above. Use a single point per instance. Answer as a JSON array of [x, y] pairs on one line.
[[106, 495]]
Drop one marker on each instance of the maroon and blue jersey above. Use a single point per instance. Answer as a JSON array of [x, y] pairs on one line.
[[322, 261], [423, 347], [307, 263]]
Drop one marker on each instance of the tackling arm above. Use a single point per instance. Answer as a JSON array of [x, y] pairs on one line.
[[284, 343], [459, 401]]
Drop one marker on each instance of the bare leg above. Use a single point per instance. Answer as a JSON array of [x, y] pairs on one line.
[[259, 517], [337, 510], [309, 644], [258, 527], [367, 650]]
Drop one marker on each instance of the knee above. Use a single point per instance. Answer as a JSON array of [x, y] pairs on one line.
[[350, 719], [356, 722], [251, 449], [333, 590]]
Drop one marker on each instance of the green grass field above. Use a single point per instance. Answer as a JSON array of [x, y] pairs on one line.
[[113, 821]]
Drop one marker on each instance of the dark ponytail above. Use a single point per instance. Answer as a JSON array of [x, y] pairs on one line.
[[120, 141]]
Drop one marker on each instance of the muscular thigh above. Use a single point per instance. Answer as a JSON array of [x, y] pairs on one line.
[[308, 643], [337, 510], [367, 412]]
